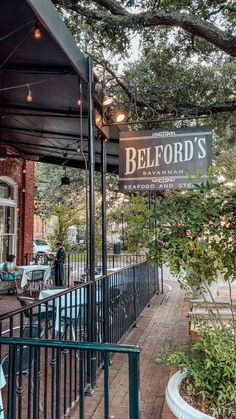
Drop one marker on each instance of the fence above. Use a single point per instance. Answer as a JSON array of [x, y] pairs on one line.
[[39, 384], [75, 266], [101, 311]]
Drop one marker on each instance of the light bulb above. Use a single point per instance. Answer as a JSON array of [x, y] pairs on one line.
[[17, 209], [23, 190], [24, 171], [120, 117], [107, 101], [78, 102], [78, 149], [37, 34], [29, 98]]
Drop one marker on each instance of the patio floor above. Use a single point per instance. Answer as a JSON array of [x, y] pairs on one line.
[[162, 324]]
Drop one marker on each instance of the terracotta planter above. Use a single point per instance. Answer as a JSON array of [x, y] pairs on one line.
[[177, 405]]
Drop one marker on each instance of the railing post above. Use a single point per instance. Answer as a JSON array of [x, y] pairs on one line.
[[134, 408], [135, 295], [149, 268], [162, 290], [68, 276], [157, 291]]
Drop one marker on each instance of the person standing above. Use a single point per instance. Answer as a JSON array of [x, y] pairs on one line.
[[59, 264]]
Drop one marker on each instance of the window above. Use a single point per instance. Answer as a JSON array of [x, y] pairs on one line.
[[8, 217]]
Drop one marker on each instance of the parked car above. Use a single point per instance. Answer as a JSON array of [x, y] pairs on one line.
[[42, 252]]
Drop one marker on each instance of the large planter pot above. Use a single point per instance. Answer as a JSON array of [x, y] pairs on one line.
[[177, 405]]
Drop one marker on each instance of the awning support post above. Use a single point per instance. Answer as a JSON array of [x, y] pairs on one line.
[[104, 242], [92, 289]]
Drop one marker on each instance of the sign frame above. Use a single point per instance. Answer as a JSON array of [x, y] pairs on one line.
[[172, 158]]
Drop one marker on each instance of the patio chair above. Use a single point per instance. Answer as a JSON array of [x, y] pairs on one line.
[[37, 279], [7, 282], [24, 358], [37, 317], [70, 316]]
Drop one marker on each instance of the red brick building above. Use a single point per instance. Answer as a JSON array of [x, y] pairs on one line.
[[16, 206]]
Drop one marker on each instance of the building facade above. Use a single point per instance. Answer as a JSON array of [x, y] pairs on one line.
[[16, 206]]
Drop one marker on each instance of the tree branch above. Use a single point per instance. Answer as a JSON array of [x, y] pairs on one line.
[[199, 110], [136, 21]]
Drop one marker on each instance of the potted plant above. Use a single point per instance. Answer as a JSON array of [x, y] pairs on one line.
[[197, 241]]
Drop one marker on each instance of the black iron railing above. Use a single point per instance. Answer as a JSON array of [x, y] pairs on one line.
[[75, 267], [45, 378], [120, 297]]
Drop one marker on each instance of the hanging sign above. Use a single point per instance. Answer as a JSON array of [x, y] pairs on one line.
[[164, 159]]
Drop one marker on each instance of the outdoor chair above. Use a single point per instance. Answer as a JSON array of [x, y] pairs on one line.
[[37, 316], [8, 283], [73, 321], [24, 358], [70, 317], [37, 279]]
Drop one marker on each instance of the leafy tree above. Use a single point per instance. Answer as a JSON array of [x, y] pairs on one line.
[[185, 67], [65, 218]]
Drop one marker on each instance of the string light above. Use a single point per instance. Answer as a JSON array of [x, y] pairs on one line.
[[78, 149], [17, 209], [78, 102], [37, 33], [29, 97], [23, 190]]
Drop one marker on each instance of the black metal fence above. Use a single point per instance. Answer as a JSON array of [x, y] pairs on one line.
[[45, 378], [75, 267], [119, 299]]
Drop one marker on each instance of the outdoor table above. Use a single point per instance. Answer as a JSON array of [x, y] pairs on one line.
[[67, 300], [26, 272], [2, 384]]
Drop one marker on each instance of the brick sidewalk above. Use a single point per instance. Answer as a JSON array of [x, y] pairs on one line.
[[161, 325]]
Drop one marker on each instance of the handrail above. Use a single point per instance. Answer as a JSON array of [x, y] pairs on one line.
[[105, 347], [57, 403]]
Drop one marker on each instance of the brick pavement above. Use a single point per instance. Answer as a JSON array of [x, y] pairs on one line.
[[164, 324], [8, 303]]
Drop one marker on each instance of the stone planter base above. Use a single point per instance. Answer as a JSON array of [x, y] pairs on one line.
[[177, 405]]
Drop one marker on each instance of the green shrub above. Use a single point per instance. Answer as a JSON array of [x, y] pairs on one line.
[[210, 366]]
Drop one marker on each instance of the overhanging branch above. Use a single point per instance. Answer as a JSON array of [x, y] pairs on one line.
[[154, 18]]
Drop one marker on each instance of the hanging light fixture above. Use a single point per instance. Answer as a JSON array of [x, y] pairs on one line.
[[65, 180], [29, 97], [3, 153], [37, 32]]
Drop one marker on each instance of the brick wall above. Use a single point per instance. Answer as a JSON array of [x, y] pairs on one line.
[[14, 168]]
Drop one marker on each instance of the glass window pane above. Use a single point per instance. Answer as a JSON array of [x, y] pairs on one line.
[[6, 191]]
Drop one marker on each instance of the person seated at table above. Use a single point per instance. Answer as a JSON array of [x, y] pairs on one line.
[[8, 270]]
